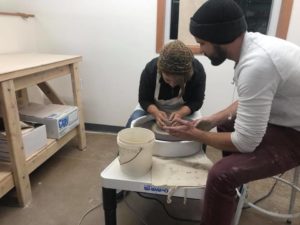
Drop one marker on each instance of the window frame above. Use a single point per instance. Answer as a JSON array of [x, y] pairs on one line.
[[281, 30]]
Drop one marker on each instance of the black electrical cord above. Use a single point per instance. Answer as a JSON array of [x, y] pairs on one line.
[[167, 212], [266, 195], [88, 212]]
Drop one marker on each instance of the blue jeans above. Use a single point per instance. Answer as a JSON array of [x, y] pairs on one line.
[[136, 114]]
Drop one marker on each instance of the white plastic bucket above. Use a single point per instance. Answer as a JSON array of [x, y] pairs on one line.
[[135, 150]]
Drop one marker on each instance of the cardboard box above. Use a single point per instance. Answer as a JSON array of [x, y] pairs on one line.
[[59, 119], [34, 139]]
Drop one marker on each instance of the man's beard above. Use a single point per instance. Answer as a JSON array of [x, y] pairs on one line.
[[218, 57]]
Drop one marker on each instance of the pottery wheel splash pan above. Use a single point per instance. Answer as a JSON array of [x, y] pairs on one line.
[[165, 144], [161, 134]]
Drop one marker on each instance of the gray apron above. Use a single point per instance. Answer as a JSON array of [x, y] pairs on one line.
[[170, 105]]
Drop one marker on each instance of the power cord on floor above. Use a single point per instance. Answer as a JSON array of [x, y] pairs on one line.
[[266, 195], [88, 211], [167, 212], [165, 209], [133, 210]]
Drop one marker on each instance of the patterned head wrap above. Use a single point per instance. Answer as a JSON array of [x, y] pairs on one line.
[[176, 58]]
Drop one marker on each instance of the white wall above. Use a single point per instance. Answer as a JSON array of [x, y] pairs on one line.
[[116, 38], [293, 34], [17, 34]]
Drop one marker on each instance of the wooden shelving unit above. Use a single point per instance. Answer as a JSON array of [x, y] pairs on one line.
[[19, 71]]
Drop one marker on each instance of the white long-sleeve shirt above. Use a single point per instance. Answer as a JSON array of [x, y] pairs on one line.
[[267, 78]]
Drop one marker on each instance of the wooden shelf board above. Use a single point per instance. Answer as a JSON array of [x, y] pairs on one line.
[[52, 147], [6, 179], [19, 65]]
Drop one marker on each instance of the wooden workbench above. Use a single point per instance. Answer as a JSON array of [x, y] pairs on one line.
[[17, 72]]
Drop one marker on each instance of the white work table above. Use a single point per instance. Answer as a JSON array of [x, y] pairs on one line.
[[114, 178]]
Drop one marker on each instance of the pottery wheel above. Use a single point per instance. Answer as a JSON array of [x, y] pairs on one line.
[[162, 135]]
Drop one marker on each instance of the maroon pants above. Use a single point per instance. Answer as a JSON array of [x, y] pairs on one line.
[[278, 152]]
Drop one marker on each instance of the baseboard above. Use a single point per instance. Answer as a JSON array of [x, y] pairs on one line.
[[102, 128]]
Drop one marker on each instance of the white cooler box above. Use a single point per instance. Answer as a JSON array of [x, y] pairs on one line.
[[59, 119], [34, 139]]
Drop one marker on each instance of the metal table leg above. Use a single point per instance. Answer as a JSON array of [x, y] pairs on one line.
[[109, 205]]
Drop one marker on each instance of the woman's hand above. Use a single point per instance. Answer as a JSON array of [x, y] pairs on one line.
[[173, 117], [160, 117]]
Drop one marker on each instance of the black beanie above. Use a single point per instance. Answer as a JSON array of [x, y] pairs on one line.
[[218, 21]]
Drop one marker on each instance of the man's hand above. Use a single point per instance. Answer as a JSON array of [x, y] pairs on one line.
[[184, 129], [206, 123]]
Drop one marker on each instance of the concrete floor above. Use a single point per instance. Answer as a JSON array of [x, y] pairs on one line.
[[68, 185]]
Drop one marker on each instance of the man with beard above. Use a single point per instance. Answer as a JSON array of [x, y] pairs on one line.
[[262, 128]]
